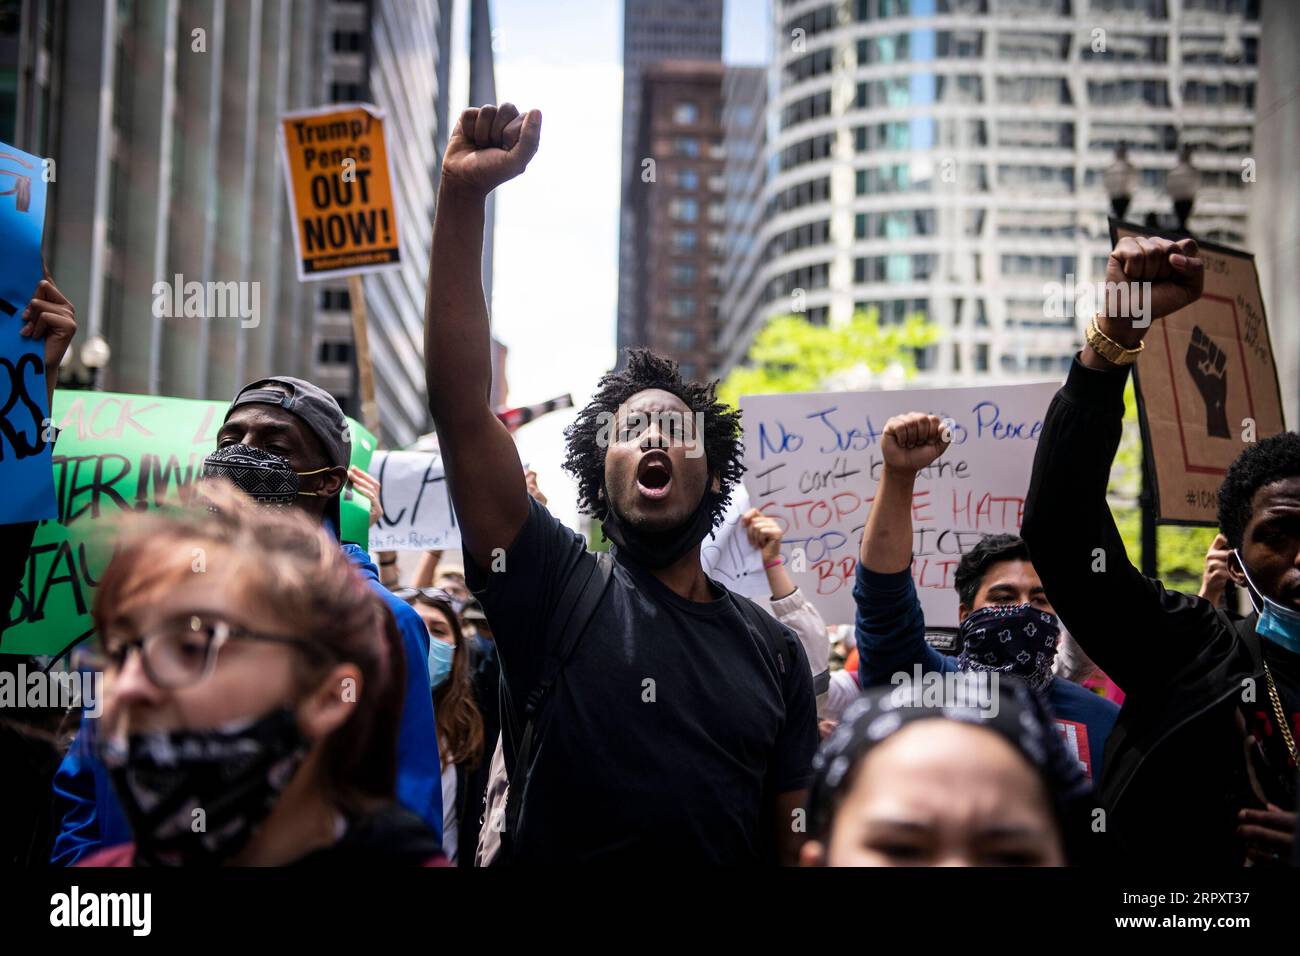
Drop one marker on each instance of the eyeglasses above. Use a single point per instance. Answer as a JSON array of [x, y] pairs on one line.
[[430, 596], [183, 651]]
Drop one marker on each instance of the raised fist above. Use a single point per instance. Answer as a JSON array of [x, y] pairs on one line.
[[764, 533], [490, 145], [1207, 364], [913, 440], [1154, 277]]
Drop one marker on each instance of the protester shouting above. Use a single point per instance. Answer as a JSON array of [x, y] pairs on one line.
[[286, 443], [253, 710], [1203, 768], [1007, 623], [681, 725], [982, 781]]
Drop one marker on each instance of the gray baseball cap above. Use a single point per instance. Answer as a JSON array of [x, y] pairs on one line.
[[316, 407]]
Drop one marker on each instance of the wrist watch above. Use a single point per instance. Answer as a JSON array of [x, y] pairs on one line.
[[1108, 348]]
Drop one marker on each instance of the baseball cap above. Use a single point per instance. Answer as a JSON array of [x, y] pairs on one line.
[[317, 408]]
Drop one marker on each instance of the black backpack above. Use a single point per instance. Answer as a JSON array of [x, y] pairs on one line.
[[573, 614]]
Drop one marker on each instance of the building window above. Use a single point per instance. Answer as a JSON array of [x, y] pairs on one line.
[[682, 307], [688, 179], [684, 240], [687, 146], [686, 113], [684, 210], [683, 273]]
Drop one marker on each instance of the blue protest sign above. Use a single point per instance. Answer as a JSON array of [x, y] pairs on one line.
[[25, 465]]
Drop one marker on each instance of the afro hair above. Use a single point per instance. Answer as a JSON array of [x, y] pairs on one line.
[[724, 449], [1270, 460]]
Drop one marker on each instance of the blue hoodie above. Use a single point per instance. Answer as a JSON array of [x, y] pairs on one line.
[[90, 816]]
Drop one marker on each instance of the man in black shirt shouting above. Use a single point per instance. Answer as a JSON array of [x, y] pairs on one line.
[[680, 727], [1201, 765]]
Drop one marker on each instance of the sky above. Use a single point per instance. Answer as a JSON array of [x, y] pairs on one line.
[[555, 294]]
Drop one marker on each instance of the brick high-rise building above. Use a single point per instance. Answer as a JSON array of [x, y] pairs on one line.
[[678, 248], [653, 30]]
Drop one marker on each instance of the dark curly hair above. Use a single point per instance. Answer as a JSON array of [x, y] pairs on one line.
[[974, 564], [1270, 460], [724, 449]]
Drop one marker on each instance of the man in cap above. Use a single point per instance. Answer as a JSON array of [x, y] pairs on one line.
[[284, 442]]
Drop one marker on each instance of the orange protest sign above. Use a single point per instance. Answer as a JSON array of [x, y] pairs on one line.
[[339, 181]]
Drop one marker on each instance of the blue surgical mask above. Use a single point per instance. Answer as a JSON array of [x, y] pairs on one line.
[[440, 655], [1279, 624]]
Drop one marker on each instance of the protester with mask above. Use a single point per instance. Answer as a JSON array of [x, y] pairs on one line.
[[260, 698], [1007, 623], [978, 782], [680, 727], [1203, 767], [460, 725], [285, 443], [29, 749]]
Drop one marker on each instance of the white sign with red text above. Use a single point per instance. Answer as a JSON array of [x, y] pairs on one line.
[[813, 461]]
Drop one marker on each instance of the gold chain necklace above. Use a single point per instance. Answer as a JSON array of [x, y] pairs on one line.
[[1280, 714]]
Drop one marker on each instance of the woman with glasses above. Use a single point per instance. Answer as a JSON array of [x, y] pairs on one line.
[[460, 725], [253, 688]]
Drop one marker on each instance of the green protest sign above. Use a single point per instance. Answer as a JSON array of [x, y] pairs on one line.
[[120, 453]]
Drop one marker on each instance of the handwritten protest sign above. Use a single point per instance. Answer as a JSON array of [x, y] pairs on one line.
[[417, 513], [115, 454], [1206, 384], [729, 558], [814, 461], [339, 181], [24, 446]]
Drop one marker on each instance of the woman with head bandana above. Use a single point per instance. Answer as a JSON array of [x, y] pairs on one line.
[[985, 783], [1008, 624], [252, 710]]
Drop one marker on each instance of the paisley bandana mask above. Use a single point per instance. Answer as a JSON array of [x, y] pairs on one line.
[[265, 477], [1011, 639]]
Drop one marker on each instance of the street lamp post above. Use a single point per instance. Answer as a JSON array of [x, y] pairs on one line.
[[1182, 184], [1120, 180]]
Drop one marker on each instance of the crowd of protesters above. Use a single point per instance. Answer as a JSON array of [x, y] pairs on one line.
[[530, 701]]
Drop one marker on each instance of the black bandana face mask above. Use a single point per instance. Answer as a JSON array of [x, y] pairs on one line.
[[658, 549], [234, 775], [1012, 639], [265, 477]]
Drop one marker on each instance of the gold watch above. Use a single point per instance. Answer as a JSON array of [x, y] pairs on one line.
[[1108, 348]]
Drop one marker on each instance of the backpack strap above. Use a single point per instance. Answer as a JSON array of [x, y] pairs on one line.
[[573, 612], [779, 641]]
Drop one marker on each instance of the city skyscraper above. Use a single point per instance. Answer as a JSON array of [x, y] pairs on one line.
[[677, 203], [653, 30], [162, 120], [946, 157]]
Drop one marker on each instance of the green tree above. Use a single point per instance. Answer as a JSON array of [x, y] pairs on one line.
[[1180, 551], [791, 354]]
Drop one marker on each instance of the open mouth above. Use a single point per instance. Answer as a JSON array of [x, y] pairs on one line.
[[654, 475]]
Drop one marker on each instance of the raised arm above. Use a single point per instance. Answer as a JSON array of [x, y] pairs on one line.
[[1071, 534], [489, 146], [889, 626]]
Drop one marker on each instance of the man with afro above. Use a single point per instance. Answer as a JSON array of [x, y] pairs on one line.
[[1201, 766], [678, 728]]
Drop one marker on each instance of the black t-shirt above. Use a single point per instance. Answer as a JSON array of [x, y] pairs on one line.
[[1262, 721], [673, 724]]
